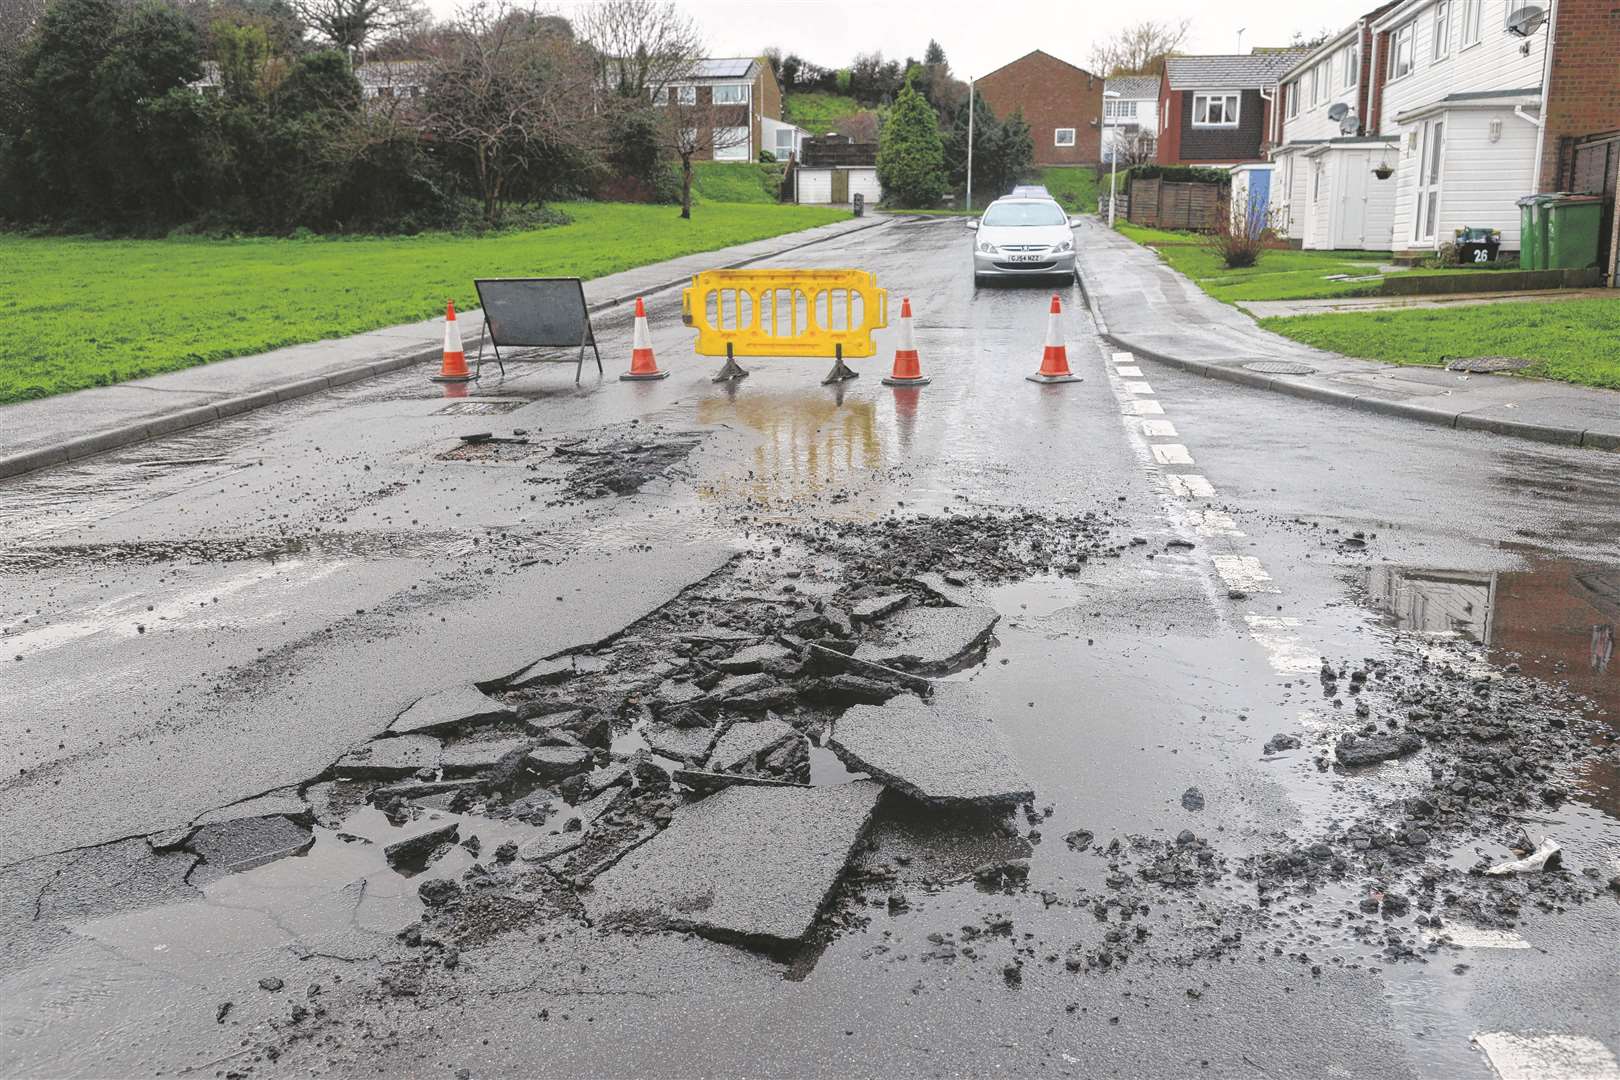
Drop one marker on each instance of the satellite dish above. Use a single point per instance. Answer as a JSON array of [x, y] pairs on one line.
[[1349, 123], [1526, 20], [1337, 110]]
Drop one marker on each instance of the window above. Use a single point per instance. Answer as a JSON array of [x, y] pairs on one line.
[[1428, 181], [730, 94], [1352, 64], [1119, 110], [784, 143], [687, 95], [1063, 136], [1473, 12], [1400, 50], [731, 144], [1316, 88], [1442, 31], [660, 95], [1292, 90], [1215, 110], [1014, 214]]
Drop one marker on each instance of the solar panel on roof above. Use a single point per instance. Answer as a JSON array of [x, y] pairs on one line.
[[729, 68]]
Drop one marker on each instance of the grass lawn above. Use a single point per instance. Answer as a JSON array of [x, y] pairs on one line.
[[1575, 341], [735, 182], [1074, 186], [87, 312], [818, 112]]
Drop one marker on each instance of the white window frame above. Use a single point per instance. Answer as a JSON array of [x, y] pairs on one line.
[[686, 95], [1473, 23], [1292, 90], [1208, 96], [1440, 47], [1057, 137], [1403, 36], [779, 150], [739, 151], [1326, 68], [740, 88], [1352, 64], [1426, 205]]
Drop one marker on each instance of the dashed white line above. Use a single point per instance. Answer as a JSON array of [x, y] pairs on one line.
[[1190, 486], [1277, 634], [1547, 1057], [1129, 372], [1243, 572], [1207, 521], [1158, 429], [1145, 408], [1124, 358], [1478, 937], [1138, 388], [1171, 454]]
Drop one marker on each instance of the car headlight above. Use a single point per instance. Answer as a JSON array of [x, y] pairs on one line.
[[1067, 245], [987, 247]]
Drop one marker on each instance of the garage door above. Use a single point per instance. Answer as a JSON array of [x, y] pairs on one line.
[[815, 185], [864, 182]]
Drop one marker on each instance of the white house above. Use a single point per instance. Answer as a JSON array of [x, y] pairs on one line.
[[1134, 114], [1326, 194], [1461, 96]]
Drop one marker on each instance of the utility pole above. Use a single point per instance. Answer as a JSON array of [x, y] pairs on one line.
[[1113, 151], [1240, 38], [970, 146]]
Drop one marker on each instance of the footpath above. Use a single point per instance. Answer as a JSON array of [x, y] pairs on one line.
[[1143, 306], [67, 427]]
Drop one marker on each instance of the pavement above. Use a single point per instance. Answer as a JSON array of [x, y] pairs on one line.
[[1143, 305], [209, 621], [67, 427], [1265, 309]]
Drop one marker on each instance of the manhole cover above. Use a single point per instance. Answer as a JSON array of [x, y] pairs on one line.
[[479, 408], [1279, 367], [1484, 365]]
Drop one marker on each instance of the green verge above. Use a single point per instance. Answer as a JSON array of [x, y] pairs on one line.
[[735, 182], [1575, 341], [86, 312], [817, 112], [1075, 186]]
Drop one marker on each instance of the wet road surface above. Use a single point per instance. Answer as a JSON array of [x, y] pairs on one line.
[[198, 621]]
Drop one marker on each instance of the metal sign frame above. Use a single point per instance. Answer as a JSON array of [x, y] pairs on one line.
[[587, 335]]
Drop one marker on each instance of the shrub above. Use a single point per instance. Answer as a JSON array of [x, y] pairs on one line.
[[1241, 235], [911, 154]]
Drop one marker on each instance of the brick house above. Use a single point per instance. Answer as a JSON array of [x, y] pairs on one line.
[[1580, 148], [747, 102], [1061, 103], [1216, 110]]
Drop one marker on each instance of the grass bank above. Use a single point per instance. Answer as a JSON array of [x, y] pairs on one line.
[[1075, 186], [89, 312], [1576, 341], [736, 182], [818, 112]]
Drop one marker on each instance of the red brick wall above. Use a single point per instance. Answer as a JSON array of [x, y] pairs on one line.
[[1052, 95], [1169, 144], [1584, 95]]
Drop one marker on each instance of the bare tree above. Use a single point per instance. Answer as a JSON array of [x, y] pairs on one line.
[[1132, 146], [351, 25], [694, 128], [641, 45], [1139, 49], [512, 91]]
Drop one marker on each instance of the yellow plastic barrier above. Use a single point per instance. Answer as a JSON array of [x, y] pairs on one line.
[[785, 312]]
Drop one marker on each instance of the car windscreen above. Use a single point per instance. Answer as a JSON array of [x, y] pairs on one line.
[[1025, 213]]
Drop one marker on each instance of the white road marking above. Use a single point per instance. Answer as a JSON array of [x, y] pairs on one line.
[[1547, 1057], [1171, 454], [1207, 521], [1190, 486], [1146, 408], [1477, 937], [1243, 572], [1278, 635], [1159, 429], [1124, 358], [1138, 388], [1129, 372]]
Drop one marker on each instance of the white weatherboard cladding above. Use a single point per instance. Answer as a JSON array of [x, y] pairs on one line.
[[1318, 201], [1356, 209], [1493, 64], [1288, 192], [1480, 180], [1312, 122]]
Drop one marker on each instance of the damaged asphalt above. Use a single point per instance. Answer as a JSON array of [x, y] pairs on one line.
[[783, 729]]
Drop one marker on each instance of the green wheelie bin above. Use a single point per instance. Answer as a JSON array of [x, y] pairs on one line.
[[1573, 224], [1533, 232]]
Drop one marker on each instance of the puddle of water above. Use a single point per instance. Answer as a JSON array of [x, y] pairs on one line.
[[1556, 619], [826, 770], [1037, 597], [810, 442]]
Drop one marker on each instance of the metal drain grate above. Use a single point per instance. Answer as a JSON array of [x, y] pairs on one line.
[[479, 408], [1279, 367], [1484, 365]]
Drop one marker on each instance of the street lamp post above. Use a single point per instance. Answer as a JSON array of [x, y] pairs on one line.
[[970, 146], [1113, 155]]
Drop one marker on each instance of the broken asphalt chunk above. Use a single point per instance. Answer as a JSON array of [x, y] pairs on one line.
[[746, 742], [1355, 749], [946, 752], [553, 763], [479, 755], [877, 607], [751, 864], [590, 728], [387, 757], [413, 852], [930, 639], [457, 707], [680, 743], [230, 847], [706, 782], [754, 658]]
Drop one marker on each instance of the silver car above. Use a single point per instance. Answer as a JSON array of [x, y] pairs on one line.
[[1023, 237]]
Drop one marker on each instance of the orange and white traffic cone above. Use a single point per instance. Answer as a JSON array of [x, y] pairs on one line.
[[907, 366], [454, 369], [1055, 360], [642, 364]]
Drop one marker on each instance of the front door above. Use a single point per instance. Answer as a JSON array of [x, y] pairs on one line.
[[840, 186], [1354, 169], [1430, 148]]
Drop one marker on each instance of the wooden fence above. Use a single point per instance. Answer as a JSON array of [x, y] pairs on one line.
[[1158, 204]]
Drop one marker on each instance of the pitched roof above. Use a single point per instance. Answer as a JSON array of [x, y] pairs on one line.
[[730, 67], [1133, 86], [1036, 52], [1247, 72]]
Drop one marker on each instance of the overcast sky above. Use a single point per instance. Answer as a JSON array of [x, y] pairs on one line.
[[979, 37]]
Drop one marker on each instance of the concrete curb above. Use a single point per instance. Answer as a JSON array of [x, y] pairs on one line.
[[1461, 421], [195, 415]]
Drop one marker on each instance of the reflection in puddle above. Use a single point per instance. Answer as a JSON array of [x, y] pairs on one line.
[[811, 441], [1556, 620]]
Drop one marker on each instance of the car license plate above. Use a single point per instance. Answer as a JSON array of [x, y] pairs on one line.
[[1024, 258]]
